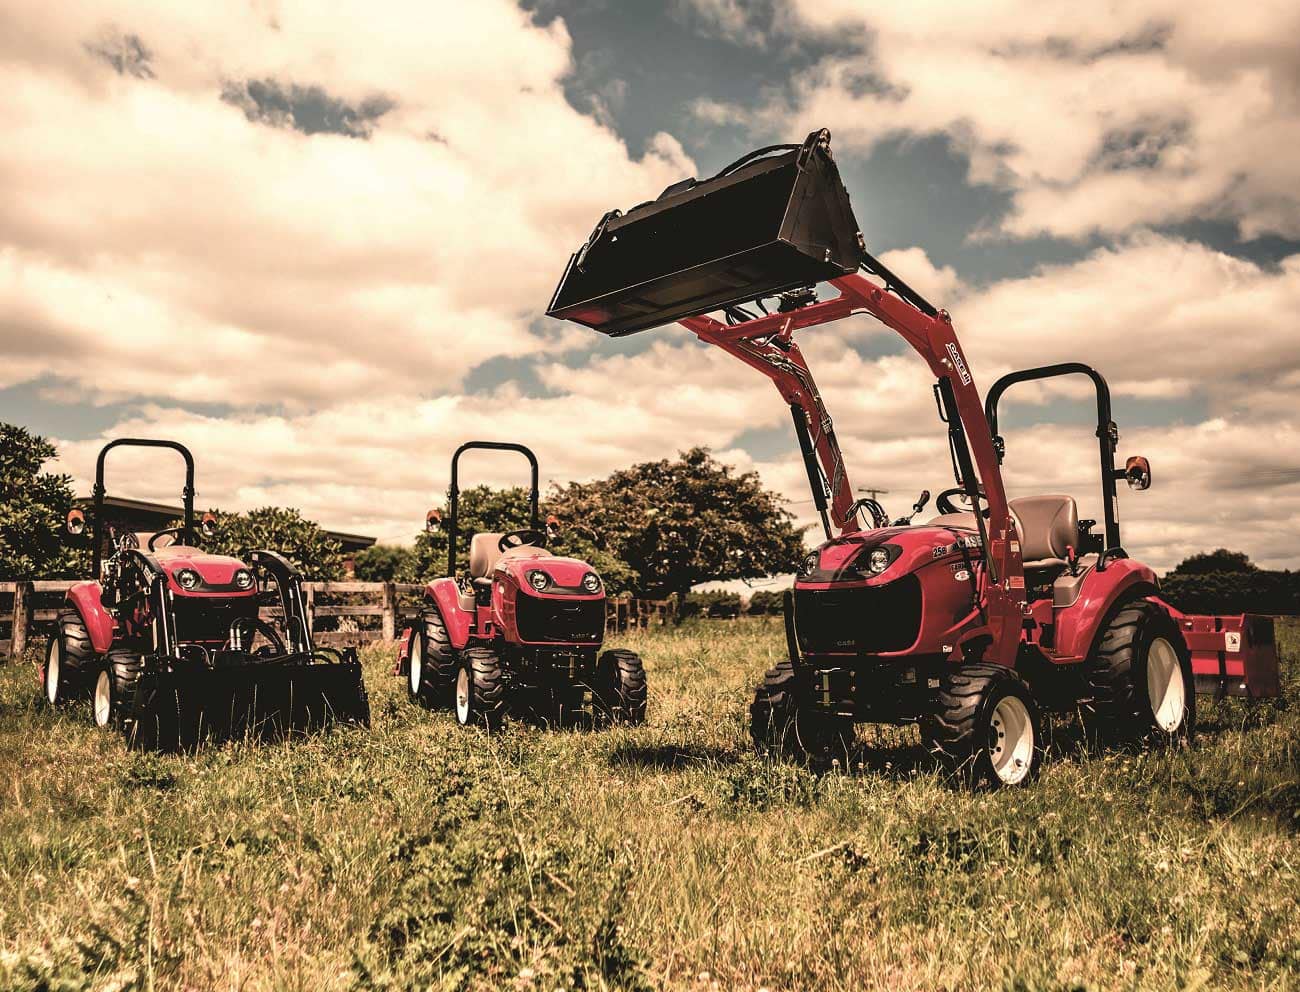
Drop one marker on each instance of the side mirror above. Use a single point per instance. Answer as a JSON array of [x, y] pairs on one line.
[[75, 523], [1137, 472], [552, 526], [208, 525], [433, 521]]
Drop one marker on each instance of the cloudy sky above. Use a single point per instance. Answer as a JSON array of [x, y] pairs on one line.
[[314, 241]]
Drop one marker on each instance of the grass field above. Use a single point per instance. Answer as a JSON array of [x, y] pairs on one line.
[[418, 855]]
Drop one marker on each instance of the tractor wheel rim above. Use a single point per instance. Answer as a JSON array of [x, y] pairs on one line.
[[1011, 740], [53, 662], [416, 664], [1165, 686], [103, 698], [462, 696]]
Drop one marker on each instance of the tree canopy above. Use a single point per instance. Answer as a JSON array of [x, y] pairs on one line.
[[33, 507], [1227, 582], [282, 529]]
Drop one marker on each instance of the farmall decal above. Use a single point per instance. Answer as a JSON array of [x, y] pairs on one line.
[[959, 362]]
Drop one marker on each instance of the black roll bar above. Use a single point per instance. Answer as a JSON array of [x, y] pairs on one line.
[[1107, 432], [454, 491], [135, 442]]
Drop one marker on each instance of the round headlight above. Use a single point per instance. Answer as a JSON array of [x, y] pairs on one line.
[[243, 579], [591, 582], [810, 563], [188, 579], [538, 580], [878, 560]]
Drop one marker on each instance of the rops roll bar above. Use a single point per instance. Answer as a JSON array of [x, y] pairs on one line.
[[454, 492]]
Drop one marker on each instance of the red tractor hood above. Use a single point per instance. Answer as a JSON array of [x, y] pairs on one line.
[[565, 573], [216, 571], [843, 559]]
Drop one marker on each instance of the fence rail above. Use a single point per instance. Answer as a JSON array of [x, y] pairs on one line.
[[28, 608]]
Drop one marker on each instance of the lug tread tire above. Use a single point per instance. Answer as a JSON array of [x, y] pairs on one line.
[[440, 662], [627, 702], [77, 668], [488, 688], [778, 726], [124, 667], [952, 730]]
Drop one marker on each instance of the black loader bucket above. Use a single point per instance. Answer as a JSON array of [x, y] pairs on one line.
[[776, 220], [239, 696]]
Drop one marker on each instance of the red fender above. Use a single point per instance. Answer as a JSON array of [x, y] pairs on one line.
[[87, 599], [445, 595], [1078, 626]]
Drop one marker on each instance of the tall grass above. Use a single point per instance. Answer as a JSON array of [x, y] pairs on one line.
[[418, 855]]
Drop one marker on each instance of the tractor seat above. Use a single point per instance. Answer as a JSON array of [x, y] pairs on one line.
[[1047, 526], [484, 553]]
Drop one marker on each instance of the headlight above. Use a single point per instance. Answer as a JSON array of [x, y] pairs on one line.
[[591, 582], [878, 560], [188, 579], [243, 579], [539, 580], [810, 563]]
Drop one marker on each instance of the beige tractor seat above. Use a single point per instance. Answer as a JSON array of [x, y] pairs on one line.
[[484, 553], [1047, 526]]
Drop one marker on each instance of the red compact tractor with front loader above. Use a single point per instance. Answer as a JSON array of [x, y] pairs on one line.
[[973, 624], [522, 622], [170, 645]]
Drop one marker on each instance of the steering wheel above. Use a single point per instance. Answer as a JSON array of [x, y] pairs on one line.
[[946, 505], [259, 626], [521, 538], [176, 534]]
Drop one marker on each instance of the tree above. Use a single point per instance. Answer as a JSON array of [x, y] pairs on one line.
[[679, 523], [282, 529], [33, 507], [1226, 582], [1221, 560], [385, 563]]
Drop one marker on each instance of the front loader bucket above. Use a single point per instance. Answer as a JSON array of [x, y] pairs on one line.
[[773, 224], [183, 708]]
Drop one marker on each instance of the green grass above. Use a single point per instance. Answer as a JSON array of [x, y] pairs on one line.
[[418, 855]]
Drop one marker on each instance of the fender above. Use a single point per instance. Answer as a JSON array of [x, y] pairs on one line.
[[86, 599], [445, 595], [1078, 625]]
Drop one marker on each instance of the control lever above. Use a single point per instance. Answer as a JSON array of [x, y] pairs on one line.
[[917, 507]]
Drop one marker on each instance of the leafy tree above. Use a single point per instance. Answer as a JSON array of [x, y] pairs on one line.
[[281, 529], [716, 604], [385, 563], [1221, 560], [33, 507], [765, 602], [679, 523]]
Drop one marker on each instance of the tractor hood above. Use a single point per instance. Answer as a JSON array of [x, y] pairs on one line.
[[565, 574], [216, 573], [848, 559]]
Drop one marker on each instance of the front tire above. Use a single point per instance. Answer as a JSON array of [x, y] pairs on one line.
[[779, 725], [114, 687], [987, 726], [622, 695], [1141, 679], [68, 658], [431, 663], [480, 689]]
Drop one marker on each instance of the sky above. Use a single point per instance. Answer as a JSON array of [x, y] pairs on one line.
[[315, 242]]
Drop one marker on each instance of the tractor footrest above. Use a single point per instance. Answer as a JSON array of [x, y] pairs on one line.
[[833, 690]]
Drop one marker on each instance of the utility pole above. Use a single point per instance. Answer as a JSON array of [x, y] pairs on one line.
[[873, 493]]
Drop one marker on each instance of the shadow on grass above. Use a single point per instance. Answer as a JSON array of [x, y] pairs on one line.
[[669, 757]]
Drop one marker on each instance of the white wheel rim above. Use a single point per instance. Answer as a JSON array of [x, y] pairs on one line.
[[462, 696], [415, 664], [1165, 685], [1011, 740], [53, 661], [103, 698]]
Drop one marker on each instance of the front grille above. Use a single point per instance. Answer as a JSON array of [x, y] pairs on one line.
[[542, 620], [859, 621], [208, 620]]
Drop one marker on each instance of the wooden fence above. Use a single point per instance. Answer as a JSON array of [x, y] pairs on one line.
[[341, 613]]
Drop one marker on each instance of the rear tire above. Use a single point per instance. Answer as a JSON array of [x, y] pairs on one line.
[[986, 727], [622, 695], [779, 725], [480, 689], [69, 658], [115, 687], [1141, 679], [431, 663]]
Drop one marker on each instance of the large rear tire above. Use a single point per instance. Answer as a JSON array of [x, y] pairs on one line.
[[1141, 679], [431, 663], [480, 689], [622, 694], [69, 659], [779, 725], [986, 727]]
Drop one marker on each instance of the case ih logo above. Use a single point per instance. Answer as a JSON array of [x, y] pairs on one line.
[[958, 361]]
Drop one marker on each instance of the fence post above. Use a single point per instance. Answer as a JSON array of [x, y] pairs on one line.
[[309, 596], [389, 630], [18, 643]]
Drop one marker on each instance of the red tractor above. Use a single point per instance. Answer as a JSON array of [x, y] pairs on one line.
[[974, 624], [522, 621], [170, 645]]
